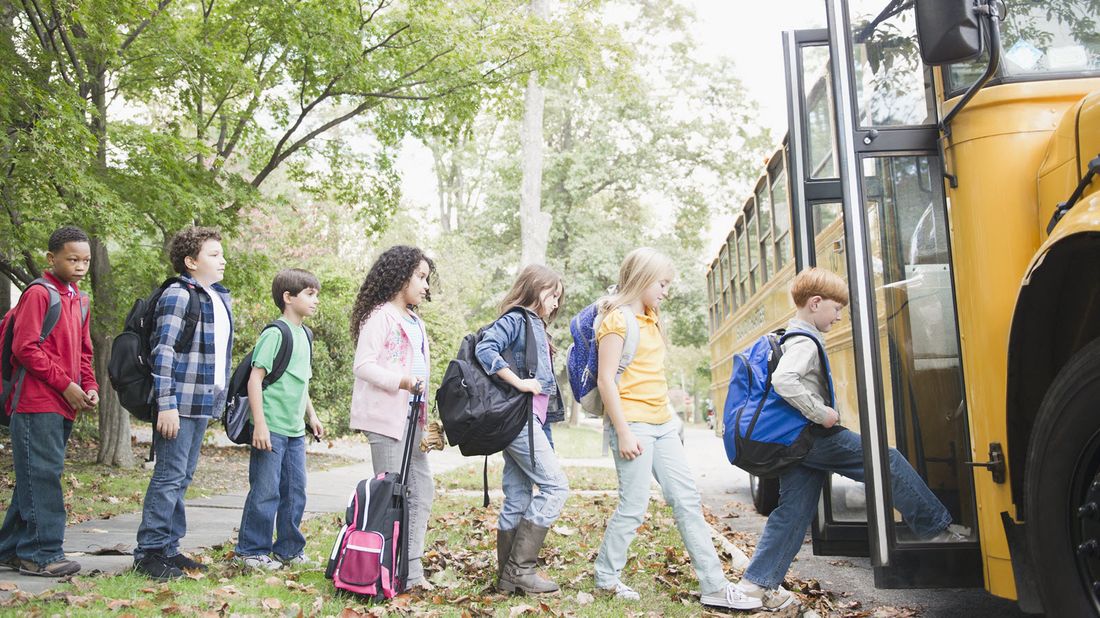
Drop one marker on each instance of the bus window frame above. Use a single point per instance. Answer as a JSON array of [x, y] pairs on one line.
[[742, 259], [731, 277], [776, 171], [767, 237]]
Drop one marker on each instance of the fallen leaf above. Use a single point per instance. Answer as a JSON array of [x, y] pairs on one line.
[[520, 610], [273, 581], [8, 587], [583, 598], [118, 604], [272, 603], [564, 530]]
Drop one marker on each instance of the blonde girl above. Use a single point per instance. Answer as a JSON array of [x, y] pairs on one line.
[[391, 363], [525, 518], [645, 438]]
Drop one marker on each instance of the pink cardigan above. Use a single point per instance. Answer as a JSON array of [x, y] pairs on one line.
[[383, 356]]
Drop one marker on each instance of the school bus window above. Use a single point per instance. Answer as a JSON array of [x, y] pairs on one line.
[[782, 214], [731, 274], [820, 132], [753, 236], [710, 300], [767, 251], [724, 266], [743, 262]]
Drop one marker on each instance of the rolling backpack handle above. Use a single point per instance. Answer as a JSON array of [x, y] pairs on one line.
[[410, 432]]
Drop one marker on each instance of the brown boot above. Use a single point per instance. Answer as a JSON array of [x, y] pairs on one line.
[[504, 549], [521, 574]]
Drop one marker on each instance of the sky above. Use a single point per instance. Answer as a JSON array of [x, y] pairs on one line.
[[745, 30]]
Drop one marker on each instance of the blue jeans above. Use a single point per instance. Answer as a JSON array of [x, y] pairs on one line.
[[549, 434], [800, 488], [34, 527], [276, 500], [520, 477], [163, 519], [662, 458]]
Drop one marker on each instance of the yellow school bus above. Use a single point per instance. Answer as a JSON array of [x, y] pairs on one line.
[[942, 156]]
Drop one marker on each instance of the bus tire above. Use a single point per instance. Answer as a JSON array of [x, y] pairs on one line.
[[1063, 461], [765, 494]]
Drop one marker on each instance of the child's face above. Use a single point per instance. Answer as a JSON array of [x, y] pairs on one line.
[[209, 265], [71, 262], [548, 301], [655, 293], [303, 304], [824, 313], [416, 290]]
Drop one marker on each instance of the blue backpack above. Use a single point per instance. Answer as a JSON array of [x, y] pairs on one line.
[[763, 434], [582, 359]]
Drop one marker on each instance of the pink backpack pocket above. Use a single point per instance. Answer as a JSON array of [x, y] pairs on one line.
[[360, 568]]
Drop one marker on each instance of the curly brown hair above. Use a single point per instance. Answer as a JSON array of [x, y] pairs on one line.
[[187, 243], [389, 274]]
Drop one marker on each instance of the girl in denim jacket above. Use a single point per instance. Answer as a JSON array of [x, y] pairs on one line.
[[391, 363], [525, 518]]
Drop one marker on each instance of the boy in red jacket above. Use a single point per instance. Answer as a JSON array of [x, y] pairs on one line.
[[58, 382]]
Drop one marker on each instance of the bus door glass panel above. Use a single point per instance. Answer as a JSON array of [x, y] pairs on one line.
[[818, 126], [925, 407], [845, 501], [892, 87]]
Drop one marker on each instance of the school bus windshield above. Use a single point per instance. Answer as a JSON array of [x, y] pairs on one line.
[[1040, 40]]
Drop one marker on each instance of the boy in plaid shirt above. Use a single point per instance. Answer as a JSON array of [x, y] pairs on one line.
[[189, 388]]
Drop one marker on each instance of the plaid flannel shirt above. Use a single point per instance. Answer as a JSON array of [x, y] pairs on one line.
[[185, 381]]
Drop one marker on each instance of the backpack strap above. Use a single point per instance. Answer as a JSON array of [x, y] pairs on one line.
[[630, 341], [49, 321], [191, 319], [282, 357], [785, 336]]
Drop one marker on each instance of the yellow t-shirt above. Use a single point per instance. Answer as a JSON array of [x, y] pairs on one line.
[[643, 387]]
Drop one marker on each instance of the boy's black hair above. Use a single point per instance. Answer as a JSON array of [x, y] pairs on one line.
[[188, 242], [292, 280], [64, 235]]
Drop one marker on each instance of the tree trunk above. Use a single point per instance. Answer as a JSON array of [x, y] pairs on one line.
[[534, 224], [575, 413], [114, 421], [5, 295]]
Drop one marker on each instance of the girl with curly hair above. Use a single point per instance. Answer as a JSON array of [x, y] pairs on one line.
[[391, 364]]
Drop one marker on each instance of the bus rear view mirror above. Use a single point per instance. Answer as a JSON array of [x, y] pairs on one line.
[[948, 31]]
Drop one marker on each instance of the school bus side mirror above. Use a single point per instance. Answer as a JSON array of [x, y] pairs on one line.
[[948, 31]]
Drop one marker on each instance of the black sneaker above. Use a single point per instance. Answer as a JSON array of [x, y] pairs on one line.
[[183, 563], [156, 566]]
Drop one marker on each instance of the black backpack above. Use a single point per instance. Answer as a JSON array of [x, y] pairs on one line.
[[237, 416], [130, 367], [12, 377], [482, 413]]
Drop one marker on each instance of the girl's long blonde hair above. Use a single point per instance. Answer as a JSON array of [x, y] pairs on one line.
[[527, 290], [641, 268]]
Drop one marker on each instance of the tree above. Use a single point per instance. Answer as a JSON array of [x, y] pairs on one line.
[[134, 118], [534, 223]]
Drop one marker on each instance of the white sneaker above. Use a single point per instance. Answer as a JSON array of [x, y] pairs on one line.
[[622, 592], [953, 533], [770, 600], [731, 597], [266, 563], [298, 561]]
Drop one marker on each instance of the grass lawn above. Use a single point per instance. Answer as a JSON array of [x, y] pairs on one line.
[[94, 491], [469, 477], [460, 559], [577, 442]]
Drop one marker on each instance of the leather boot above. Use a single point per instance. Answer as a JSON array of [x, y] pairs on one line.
[[504, 549], [521, 572]]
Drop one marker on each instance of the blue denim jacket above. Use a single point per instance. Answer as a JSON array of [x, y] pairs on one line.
[[509, 333]]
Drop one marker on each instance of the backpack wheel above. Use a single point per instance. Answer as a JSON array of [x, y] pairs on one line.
[[1062, 492], [765, 494]]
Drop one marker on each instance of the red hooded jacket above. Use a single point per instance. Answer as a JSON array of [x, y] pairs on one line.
[[64, 357]]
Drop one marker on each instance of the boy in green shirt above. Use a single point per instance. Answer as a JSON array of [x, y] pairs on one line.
[[280, 412]]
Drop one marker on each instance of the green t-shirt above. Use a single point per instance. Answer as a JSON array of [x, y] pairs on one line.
[[285, 400]]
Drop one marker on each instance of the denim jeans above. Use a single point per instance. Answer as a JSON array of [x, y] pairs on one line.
[[276, 500], [386, 457], [520, 477], [163, 519], [549, 434], [34, 527], [664, 459], [799, 490]]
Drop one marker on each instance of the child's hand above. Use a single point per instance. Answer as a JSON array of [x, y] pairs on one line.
[[413, 385], [530, 385], [628, 446], [316, 428], [261, 438], [74, 396], [832, 419], [168, 424], [91, 399]]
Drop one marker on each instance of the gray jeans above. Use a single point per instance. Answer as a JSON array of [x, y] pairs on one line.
[[386, 456]]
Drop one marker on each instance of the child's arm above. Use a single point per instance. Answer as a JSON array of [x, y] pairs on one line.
[[171, 315], [494, 340], [372, 339], [261, 435], [788, 381], [312, 421], [610, 350], [25, 348]]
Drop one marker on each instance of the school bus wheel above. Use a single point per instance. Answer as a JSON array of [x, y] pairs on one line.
[[1062, 489], [765, 494]]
